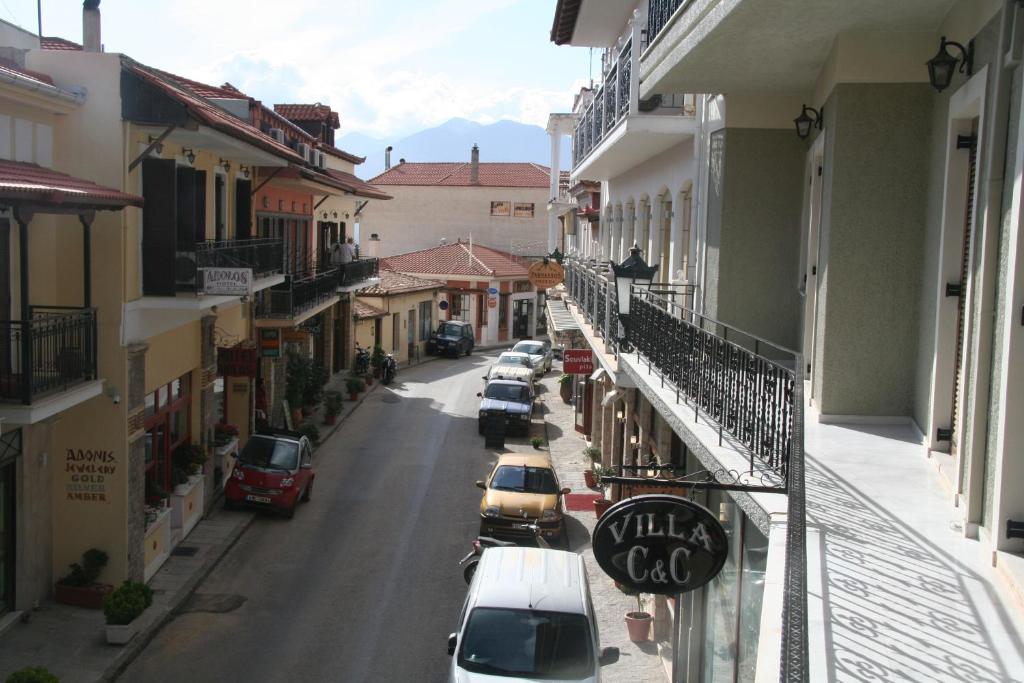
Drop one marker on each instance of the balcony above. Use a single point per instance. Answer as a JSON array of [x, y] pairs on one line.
[[617, 130], [357, 274], [264, 256], [298, 298], [53, 352]]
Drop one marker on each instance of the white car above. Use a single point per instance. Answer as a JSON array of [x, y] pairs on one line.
[[528, 616], [539, 353], [512, 366]]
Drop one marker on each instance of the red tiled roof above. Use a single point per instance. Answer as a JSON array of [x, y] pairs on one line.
[[341, 154], [491, 174], [392, 282], [55, 43], [20, 181], [362, 310], [338, 180], [201, 89], [308, 112], [8, 66], [456, 259], [208, 113]]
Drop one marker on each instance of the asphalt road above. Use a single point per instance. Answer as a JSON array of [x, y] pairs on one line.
[[363, 584]]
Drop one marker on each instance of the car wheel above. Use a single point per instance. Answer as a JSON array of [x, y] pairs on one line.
[[469, 349], [308, 493]]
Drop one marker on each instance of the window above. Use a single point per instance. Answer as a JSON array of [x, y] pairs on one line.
[[426, 322], [527, 644], [168, 420], [501, 208], [523, 210], [524, 479], [503, 311], [396, 330], [460, 307]]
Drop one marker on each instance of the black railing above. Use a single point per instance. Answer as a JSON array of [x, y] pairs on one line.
[[264, 256], [298, 294], [357, 271], [659, 13], [52, 352], [625, 70]]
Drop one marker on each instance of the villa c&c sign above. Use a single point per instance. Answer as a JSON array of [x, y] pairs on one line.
[[660, 544]]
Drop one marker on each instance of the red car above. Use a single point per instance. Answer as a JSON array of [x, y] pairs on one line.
[[274, 471]]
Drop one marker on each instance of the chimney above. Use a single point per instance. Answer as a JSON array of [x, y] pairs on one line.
[[387, 157], [474, 165], [91, 41], [372, 246]]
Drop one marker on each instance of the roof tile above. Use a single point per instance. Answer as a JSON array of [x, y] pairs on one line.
[[458, 259], [491, 174], [392, 282], [30, 182], [308, 112]]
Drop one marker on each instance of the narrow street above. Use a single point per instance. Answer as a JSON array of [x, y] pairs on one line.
[[362, 585]]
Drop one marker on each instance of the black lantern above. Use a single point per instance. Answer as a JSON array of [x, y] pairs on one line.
[[557, 255], [943, 64], [804, 121], [633, 271], [190, 155]]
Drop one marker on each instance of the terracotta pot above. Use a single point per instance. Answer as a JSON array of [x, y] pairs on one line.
[[639, 626], [588, 477], [369, 380], [90, 597], [353, 395], [565, 391], [297, 417], [600, 505], [330, 419], [308, 410]]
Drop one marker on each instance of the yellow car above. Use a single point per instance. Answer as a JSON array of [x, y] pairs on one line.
[[522, 489]]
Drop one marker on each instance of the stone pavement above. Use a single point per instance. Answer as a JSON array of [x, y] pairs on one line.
[[70, 641], [637, 663]]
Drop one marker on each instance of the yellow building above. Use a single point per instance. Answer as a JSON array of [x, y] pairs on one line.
[[398, 313]]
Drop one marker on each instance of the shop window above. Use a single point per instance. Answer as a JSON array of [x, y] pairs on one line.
[[503, 310], [167, 427], [460, 304], [521, 286]]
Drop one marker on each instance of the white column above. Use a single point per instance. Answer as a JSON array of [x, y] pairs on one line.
[[556, 172], [492, 313], [654, 252], [639, 23], [628, 226], [676, 247]]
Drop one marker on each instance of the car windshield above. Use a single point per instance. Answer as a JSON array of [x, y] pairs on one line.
[[507, 392], [527, 644], [510, 359], [449, 330], [271, 454], [532, 348], [524, 479]]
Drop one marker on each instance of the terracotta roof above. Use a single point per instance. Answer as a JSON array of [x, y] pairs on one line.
[[308, 112], [338, 180], [20, 181], [208, 113], [564, 23], [392, 282], [201, 89], [363, 311], [55, 43], [456, 259], [491, 174], [341, 154], [11, 67]]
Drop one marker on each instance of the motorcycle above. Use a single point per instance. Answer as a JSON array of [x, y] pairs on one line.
[[389, 368], [471, 560], [362, 360]]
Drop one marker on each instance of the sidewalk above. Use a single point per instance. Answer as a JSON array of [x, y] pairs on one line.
[[70, 641], [636, 662]]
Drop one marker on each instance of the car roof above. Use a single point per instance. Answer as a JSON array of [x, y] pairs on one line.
[[460, 323], [528, 341], [525, 459], [289, 437], [514, 382], [531, 578], [513, 354]]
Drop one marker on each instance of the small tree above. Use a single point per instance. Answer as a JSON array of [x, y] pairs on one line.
[[124, 605], [629, 590], [377, 360]]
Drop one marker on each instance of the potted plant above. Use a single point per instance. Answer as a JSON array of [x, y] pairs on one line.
[[156, 496], [332, 406], [594, 454], [190, 458], [537, 442], [312, 432], [223, 433], [32, 674], [565, 387], [377, 360], [122, 609], [354, 385], [314, 390], [297, 377], [79, 587], [638, 623]]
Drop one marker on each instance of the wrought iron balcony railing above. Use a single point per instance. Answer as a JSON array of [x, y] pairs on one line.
[[298, 294], [357, 271], [52, 352], [659, 13], [264, 255]]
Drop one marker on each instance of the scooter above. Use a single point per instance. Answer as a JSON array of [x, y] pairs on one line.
[[470, 561], [362, 360], [389, 368]]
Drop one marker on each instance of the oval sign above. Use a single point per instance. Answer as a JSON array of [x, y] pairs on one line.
[[492, 290], [443, 305], [544, 274], [660, 544]]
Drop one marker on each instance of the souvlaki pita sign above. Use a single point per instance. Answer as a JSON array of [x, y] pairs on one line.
[[660, 544]]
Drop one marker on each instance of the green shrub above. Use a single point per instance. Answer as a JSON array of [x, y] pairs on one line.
[[600, 471], [592, 452], [86, 573], [125, 604], [189, 458], [564, 379], [332, 402], [377, 357], [355, 385], [312, 432], [32, 674], [536, 442], [297, 378], [318, 376]]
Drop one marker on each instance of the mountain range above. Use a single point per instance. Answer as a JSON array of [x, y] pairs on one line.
[[452, 141]]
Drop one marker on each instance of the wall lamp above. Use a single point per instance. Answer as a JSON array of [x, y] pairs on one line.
[[634, 440], [805, 121], [942, 65], [244, 169], [159, 147], [620, 416], [226, 165], [189, 154]]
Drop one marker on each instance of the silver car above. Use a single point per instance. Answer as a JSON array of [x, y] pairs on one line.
[[539, 353], [512, 366]]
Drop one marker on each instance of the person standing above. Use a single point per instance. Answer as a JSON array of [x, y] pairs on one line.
[[348, 251]]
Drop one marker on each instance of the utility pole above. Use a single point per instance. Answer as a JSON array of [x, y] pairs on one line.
[[39, 16]]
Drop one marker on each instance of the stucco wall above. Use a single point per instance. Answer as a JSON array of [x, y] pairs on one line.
[[420, 216]]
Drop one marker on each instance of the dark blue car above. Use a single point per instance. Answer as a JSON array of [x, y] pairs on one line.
[[510, 400]]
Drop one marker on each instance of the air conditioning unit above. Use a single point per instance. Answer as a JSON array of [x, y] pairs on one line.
[[185, 269], [321, 160], [277, 134], [311, 156], [303, 150]]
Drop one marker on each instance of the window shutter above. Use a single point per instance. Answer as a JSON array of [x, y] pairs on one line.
[[159, 226], [243, 209], [186, 209], [200, 185]]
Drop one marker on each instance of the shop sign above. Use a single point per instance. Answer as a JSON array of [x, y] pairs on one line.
[[544, 274], [492, 290], [236, 362], [295, 335], [270, 342], [443, 305], [88, 473], [492, 302], [660, 544], [577, 362], [226, 281]]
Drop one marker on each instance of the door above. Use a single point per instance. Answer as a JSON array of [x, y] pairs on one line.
[[7, 537], [521, 318], [965, 268], [410, 333], [809, 284], [5, 297]]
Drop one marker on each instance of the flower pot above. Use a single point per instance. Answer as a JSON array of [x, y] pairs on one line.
[[121, 634], [90, 597], [600, 505], [330, 419], [589, 478], [565, 391], [297, 417], [369, 380], [308, 410], [639, 626], [353, 395]]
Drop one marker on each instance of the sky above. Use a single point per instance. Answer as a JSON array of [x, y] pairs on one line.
[[388, 67]]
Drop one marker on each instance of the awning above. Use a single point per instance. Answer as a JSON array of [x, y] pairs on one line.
[[561, 318], [598, 374], [24, 183]]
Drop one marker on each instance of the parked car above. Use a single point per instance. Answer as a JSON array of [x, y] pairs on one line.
[[273, 471], [510, 400], [539, 352], [511, 365], [528, 616], [522, 488], [452, 338]]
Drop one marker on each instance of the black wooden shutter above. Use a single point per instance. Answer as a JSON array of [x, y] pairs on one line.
[[243, 209], [200, 186], [218, 208], [186, 209], [159, 226]]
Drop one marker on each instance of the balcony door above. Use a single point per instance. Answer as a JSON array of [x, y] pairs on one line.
[[5, 296], [809, 282], [8, 542]]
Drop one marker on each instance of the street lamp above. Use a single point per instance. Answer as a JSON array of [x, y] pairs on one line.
[[633, 271], [943, 64]]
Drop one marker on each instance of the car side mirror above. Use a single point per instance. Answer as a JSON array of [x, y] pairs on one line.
[[479, 395], [453, 640], [307, 465], [566, 491], [609, 655], [481, 485], [484, 378]]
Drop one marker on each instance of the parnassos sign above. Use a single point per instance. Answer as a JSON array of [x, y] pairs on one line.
[[546, 273]]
